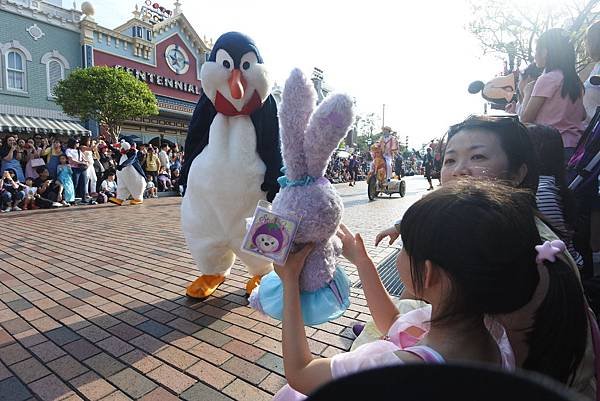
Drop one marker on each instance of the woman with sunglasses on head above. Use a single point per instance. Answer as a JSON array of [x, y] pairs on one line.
[[499, 148], [557, 97]]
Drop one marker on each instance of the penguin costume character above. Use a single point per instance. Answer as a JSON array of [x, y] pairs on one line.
[[130, 176], [232, 160]]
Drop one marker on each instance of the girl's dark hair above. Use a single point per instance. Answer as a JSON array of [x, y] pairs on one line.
[[549, 150], [85, 140], [514, 140], [483, 235], [561, 56]]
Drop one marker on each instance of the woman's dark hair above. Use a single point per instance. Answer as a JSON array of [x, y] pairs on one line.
[[71, 143], [549, 150], [561, 56], [483, 235], [85, 140], [514, 140], [4, 149], [592, 36]]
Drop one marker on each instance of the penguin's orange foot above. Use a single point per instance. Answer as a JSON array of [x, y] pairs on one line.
[[252, 284], [116, 201], [136, 202], [204, 286]]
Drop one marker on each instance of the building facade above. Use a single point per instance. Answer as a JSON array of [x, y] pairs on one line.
[[157, 46], [39, 46]]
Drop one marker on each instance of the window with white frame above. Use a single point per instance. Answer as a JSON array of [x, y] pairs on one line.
[[55, 72], [15, 71]]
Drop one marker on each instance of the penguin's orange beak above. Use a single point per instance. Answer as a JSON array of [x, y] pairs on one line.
[[237, 84]]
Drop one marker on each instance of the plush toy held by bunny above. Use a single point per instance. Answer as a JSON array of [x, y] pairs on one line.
[[308, 138]]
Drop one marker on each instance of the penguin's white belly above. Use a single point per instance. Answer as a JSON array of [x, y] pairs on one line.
[[130, 179], [224, 181]]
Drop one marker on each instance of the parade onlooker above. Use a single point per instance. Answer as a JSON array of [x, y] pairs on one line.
[[108, 188], [557, 96], [175, 177], [11, 157], [591, 97], [163, 155], [164, 180], [152, 164], [78, 168], [526, 82], [428, 165], [12, 191], [554, 200], [88, 156], [64, 174], [150, 188], [49, 190], [32, 158], [30, 194], [53, 155]]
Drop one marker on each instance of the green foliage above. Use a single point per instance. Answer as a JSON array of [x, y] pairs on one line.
[[107, 95], [511, 28]]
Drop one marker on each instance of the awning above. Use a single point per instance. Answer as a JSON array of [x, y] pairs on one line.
[[38, 125]]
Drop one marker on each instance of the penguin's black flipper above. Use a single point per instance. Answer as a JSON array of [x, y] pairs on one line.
[[266, 125], [197, 136]]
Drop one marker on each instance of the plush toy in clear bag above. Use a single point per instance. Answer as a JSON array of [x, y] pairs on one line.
[[308, 138], [270, 235]]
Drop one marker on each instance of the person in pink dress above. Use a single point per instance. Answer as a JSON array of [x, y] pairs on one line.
[[461, 268], [557, 96]]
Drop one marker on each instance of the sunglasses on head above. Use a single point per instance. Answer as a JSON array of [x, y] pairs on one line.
[[486, 121]]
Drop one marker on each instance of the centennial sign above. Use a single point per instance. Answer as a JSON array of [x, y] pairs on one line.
[[160, 80]]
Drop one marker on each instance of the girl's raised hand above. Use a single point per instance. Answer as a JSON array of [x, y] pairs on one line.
[[353, 245], [290, 271]]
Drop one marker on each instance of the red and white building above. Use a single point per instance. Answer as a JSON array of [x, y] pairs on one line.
[[160, 47]]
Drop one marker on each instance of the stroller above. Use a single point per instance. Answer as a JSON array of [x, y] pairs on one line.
[[583, 170], [584, 165]]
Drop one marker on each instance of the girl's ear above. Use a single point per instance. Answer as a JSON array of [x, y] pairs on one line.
[[432, 275], [298, 102], [520, 175]]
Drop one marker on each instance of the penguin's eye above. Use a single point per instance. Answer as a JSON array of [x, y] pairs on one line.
[[226, 64], [246, 65]]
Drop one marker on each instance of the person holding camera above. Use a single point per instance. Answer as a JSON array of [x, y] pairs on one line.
[[49, 191], [11, 191], [11, 157]]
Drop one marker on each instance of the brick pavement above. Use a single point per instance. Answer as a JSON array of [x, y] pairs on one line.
[[87, 315]]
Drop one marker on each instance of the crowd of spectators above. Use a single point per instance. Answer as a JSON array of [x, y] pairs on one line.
[[45, 172]]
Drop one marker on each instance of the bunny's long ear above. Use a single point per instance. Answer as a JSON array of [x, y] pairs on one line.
[[328, 125], [298, 102]]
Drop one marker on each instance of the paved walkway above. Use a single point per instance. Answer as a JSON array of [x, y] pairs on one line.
[[92, 306]]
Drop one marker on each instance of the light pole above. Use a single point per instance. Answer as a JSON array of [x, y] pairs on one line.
[[383, 116]]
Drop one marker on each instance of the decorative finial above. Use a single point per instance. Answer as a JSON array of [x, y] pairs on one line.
[[177, 8], [88, 10]]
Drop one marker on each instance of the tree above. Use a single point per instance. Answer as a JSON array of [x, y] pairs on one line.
[[510, 28], [107, 95]]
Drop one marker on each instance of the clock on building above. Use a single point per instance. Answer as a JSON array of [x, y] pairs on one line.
[[177, 59]]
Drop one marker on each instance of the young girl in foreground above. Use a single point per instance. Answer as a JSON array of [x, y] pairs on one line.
[[471, 250]]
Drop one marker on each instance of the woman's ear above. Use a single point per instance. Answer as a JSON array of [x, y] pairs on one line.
[[519, 177], [432, 275]]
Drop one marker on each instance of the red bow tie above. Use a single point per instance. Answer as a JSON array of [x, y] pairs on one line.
[[224, 106]]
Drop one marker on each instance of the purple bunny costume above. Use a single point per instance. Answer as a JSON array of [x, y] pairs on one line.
[[308, 138]]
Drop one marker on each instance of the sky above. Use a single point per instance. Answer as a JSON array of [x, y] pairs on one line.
[[414, 56]]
